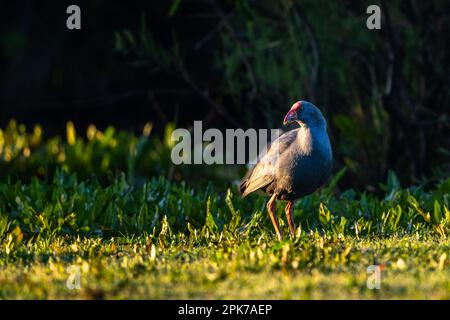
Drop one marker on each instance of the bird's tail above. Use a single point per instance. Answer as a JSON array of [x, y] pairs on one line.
[[242, 187], [244, 182]]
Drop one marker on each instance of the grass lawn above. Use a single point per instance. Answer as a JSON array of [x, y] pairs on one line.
[[165, 240], [311, 267]]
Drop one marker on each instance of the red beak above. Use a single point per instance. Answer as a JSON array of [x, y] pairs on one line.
[[290, 116]]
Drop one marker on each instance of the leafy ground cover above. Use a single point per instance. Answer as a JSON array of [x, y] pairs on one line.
[[166, 240], [160, 238]]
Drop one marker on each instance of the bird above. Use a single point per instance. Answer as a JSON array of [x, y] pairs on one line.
[[296, 164]]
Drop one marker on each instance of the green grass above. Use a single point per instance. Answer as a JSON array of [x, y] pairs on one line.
[[311, 267], [166, 240], [88, 205]]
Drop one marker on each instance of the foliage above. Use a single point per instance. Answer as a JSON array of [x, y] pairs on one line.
[[382, 91], [66, 206], [166, 240], [100, 154], [111, 203], [132, 237]]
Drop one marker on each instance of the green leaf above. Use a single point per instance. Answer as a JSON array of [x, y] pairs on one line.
[[210, 222], [393, 184], [174, 7], [437, 212]]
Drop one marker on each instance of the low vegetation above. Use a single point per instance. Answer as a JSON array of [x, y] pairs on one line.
[[130, 237]]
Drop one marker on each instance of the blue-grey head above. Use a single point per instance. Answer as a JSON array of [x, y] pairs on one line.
[[305, 114]]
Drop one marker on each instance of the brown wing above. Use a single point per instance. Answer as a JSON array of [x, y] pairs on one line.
[[264, 172]]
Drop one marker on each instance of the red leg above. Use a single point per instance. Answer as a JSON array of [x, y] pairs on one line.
[[290, 218], [273, 216]]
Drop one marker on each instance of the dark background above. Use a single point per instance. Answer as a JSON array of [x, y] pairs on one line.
[[240, 64]]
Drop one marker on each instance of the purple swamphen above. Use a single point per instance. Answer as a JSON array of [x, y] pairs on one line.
[[296, 164]]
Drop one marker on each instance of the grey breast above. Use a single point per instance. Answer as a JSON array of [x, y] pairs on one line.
[[304, 166]]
